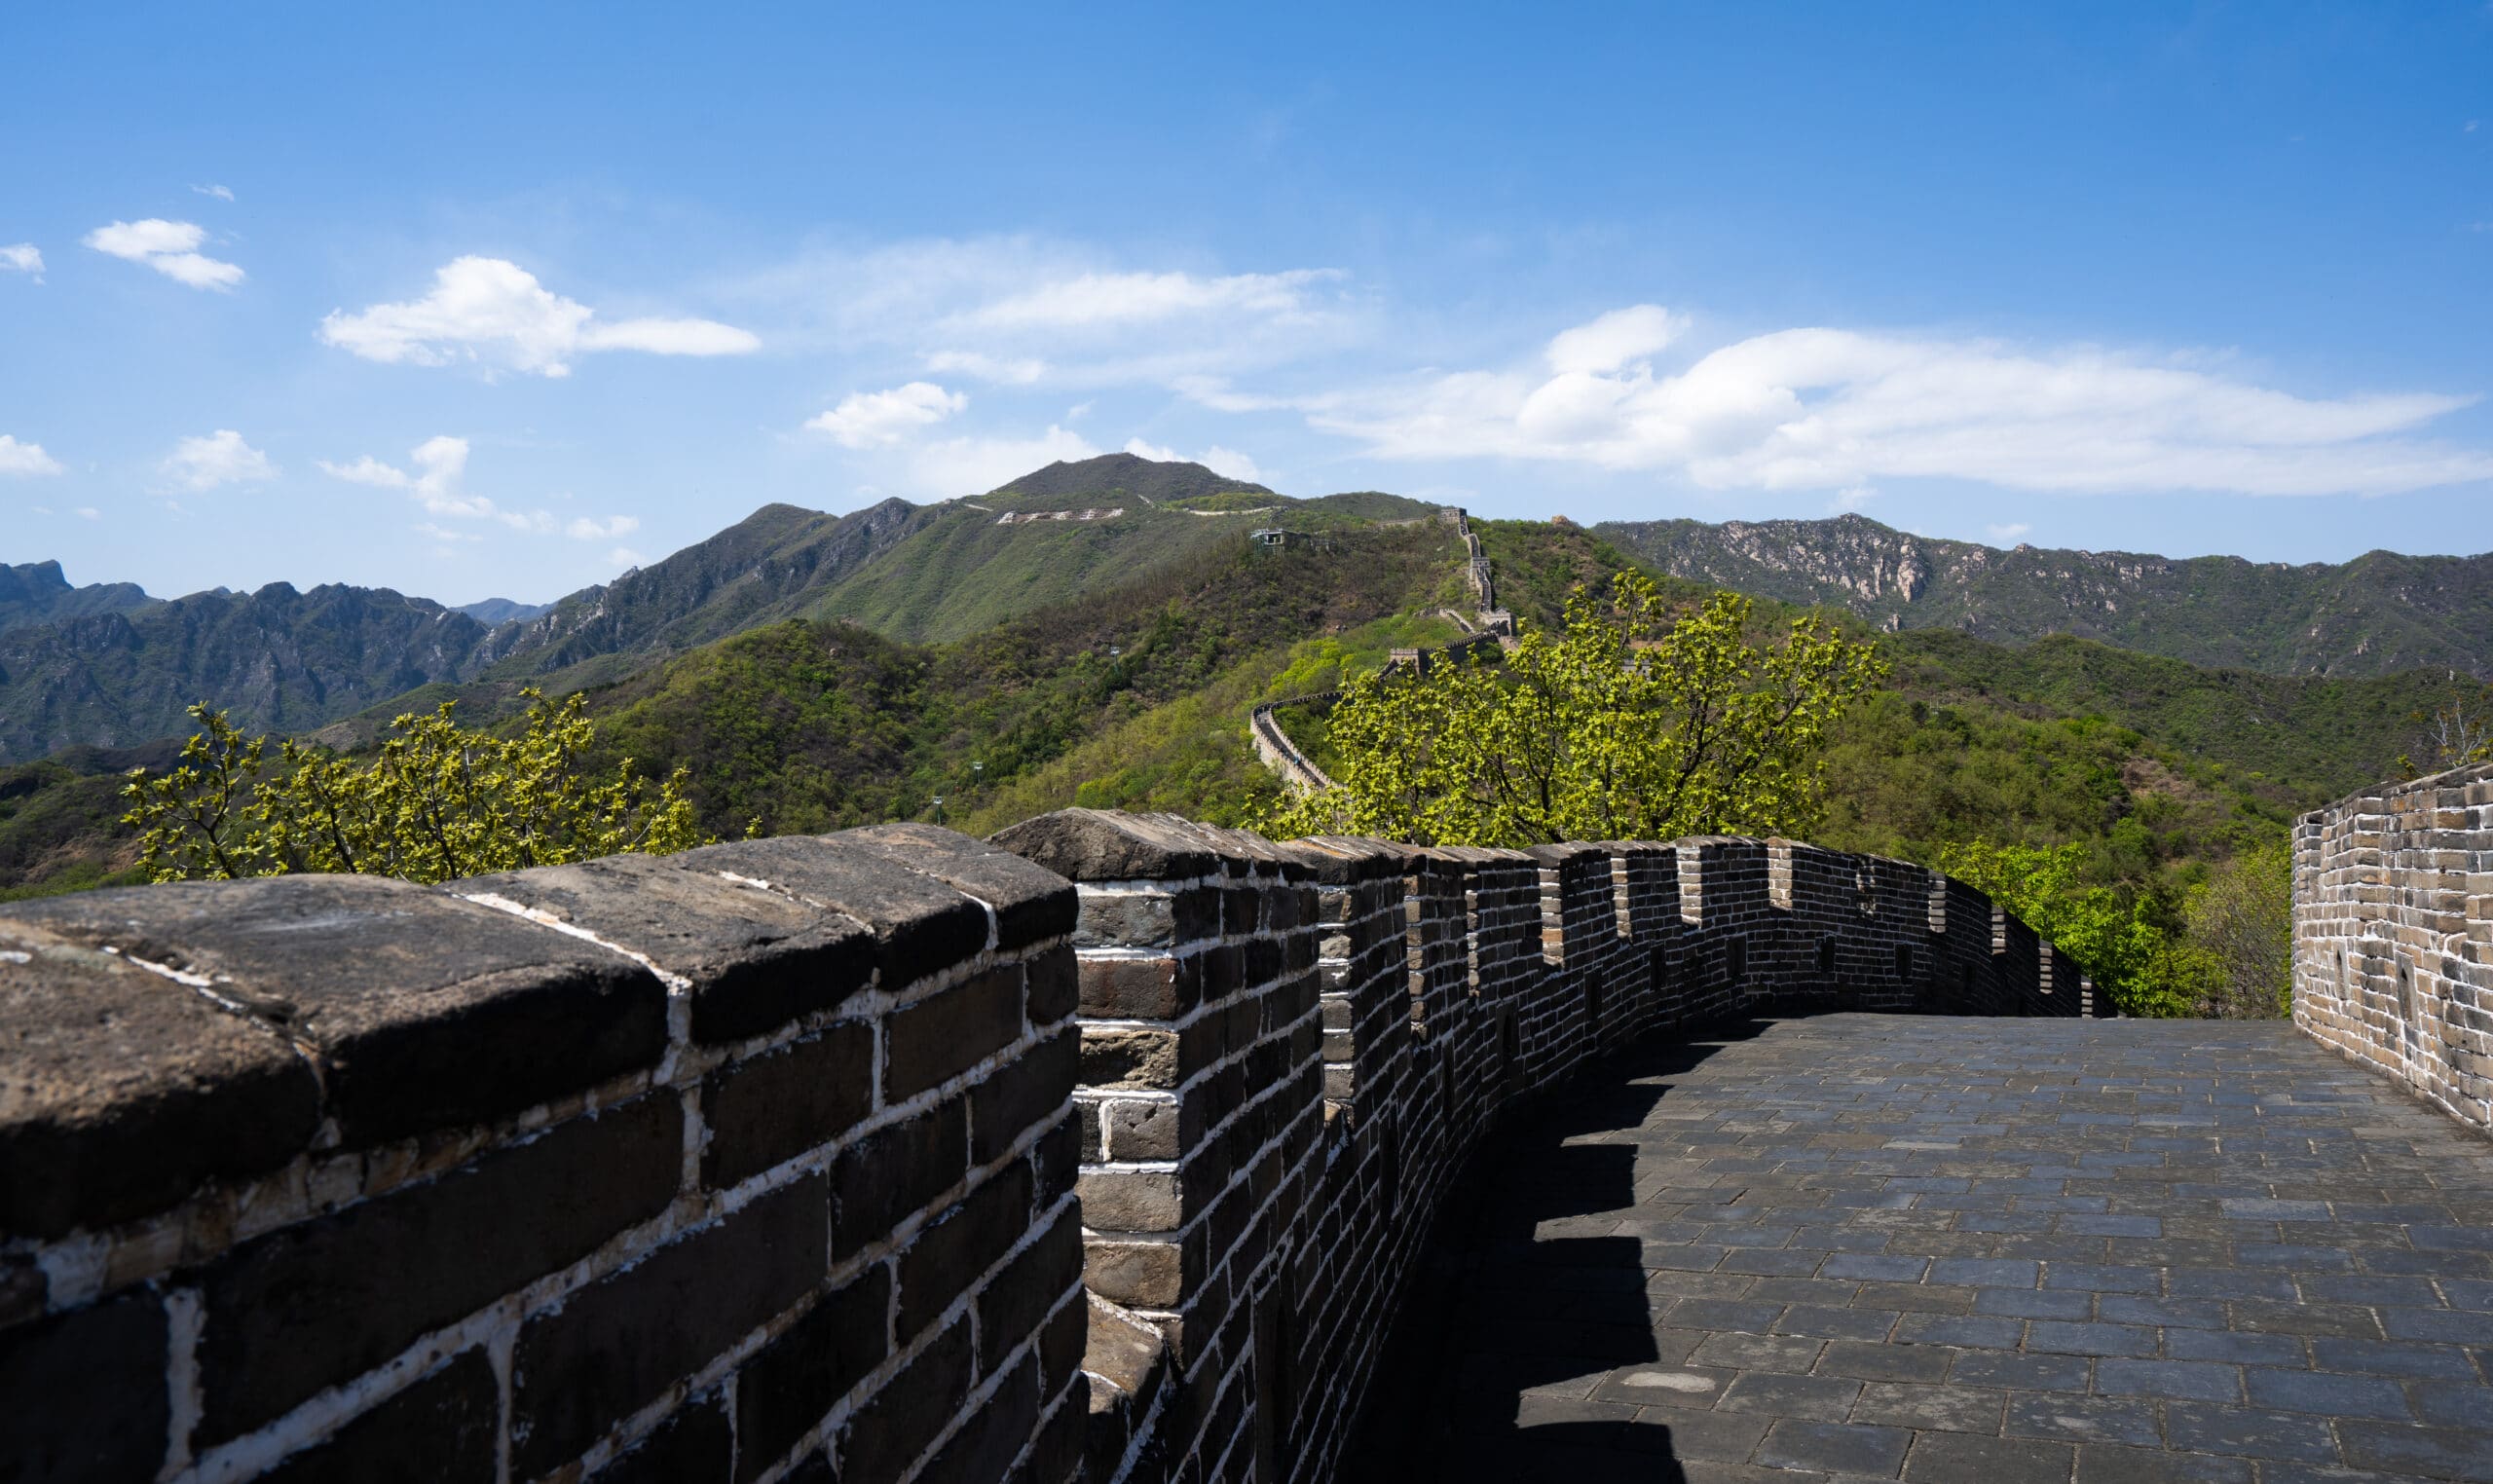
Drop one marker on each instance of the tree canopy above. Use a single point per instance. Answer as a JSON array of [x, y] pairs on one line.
[[433, 803], [1630, 722]]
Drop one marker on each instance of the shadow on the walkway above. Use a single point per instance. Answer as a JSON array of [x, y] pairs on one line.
[[1523, 1290]]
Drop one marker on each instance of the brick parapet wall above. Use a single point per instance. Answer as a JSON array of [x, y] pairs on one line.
[[718, 1166], [781, 1157], [2393, 965]]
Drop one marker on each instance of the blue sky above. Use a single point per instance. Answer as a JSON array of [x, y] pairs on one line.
[[489, 300]]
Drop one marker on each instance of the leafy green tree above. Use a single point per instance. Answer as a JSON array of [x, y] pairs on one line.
[[433, 803], [1631, 723], [2121, 937], [2243, 917]]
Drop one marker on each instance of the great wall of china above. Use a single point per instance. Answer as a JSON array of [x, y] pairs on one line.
[[1100, 1150]]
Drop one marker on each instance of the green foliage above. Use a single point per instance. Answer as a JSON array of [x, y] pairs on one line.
[[2119, 937], [433, 803], [2242, 919], [1628, 724]]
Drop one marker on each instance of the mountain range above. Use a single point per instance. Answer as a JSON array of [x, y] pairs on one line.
[[2378, 613], [109, 666], [1097, 632]]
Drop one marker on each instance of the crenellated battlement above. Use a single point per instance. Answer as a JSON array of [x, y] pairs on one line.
[[1100, 1149]]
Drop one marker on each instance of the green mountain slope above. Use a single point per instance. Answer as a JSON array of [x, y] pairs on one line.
[[2376, 614]]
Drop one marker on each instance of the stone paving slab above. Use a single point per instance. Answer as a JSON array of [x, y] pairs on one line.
[[1932, 1248]]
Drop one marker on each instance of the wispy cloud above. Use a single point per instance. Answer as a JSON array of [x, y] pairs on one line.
[[585, 529], [221, 458], [1830, 409], [172, 249], [2008, 535], [953, 467], [494, 313], [26, 458], [1853, 499], [1023, 311], [22, 257], [1218, 460], [871, 419], [221, 193], [436, 481]]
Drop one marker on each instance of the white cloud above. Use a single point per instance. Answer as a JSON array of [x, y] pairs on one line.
[[1011, 371], [496, 314], [1218, 460], [436, 483], [1095, 299], [90, 512], [1614, 340], [975, 466], [172, 249], [625, 556], [869, 419], [221, 193], [1856, 497], [221, 458], [18, 457], [2009, 534], [22, 257], [1019, 310], [1826, 409]]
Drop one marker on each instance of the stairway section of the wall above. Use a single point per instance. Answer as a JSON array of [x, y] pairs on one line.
[[723, 1167], [2394, 933]]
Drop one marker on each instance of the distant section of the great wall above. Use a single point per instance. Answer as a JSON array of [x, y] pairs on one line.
[[1489, 624], [1103, 1150]]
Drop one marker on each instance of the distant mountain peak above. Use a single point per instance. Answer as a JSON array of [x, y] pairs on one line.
[[1151, 479]]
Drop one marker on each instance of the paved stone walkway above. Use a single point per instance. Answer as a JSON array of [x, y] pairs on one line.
[[1866, 1247]]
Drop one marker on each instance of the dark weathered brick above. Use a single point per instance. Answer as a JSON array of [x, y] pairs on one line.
[[946, 1034], [1101, 845], [124, 1090], [785, 1389], [696, 1446], [582, 1369], [768, 1109], [444, 1428], [756, 958], [1027, 1092], [994, 1433], [1030, 902], [1158, 989], [889, 1432], [427, 1011], [81, 1396], [311, 1305], [920, 925], [1054, 985], [1011, 1309], [893, 1172], [950, 1254]]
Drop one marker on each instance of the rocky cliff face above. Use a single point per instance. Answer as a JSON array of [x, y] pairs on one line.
[[36, 592], [2375, 614]]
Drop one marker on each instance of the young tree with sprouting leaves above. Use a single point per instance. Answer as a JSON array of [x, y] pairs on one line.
[[434, 803], [1630, 722]]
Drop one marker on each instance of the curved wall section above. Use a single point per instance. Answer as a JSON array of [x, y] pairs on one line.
[[1098, 1151]]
